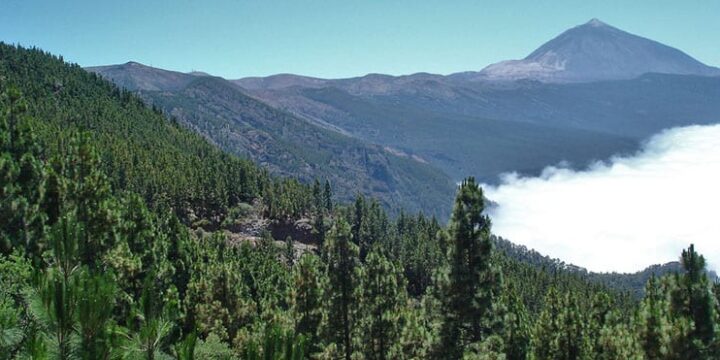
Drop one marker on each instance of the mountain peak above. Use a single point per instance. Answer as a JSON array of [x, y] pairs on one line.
[[134, 76], [596, 51], [595, 22]]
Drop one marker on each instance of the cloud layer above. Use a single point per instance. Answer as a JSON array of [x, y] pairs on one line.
[[624, 214]]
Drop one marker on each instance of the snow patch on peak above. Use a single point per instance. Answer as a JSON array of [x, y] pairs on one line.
[[595, 22]]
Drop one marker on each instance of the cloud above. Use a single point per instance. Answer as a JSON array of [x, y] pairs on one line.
[[624, 214]]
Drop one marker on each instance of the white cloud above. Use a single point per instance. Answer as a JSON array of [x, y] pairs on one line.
[[625, 214]]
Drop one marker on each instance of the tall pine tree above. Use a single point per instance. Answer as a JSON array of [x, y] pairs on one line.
[[559, 332], [472, 284], [694, 300], [382, 297], [653, 323], [342, 263], [307, 293]]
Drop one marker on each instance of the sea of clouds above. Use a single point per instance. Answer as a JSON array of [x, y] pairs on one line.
[[623, 214]]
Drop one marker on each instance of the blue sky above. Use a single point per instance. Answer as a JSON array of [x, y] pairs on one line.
[[336, 38]]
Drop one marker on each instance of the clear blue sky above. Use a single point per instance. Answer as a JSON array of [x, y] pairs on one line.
[[336, 38]]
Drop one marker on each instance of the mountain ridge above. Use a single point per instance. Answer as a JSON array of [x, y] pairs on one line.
[[288, 145], [542, 64]]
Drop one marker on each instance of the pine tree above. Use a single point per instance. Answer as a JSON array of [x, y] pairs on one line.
[[151, 326], [600, 309], [359, 235], [693, 300], [22, 179], [653, 323], [289, 250], [416, 339], [517, 328], [680, 326], [547, 328], [88, 194], [559, 330], [277, 344], [11, 332], [471, 291], [95, 305], [318, 200], [616, 340], [53, 304], [308, 281], [327, 197], [185, 349], [491, 348], [320, 229], [573, 342], [382, 299], [342, 262]]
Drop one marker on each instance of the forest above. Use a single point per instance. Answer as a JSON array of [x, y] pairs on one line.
[[112, 247]]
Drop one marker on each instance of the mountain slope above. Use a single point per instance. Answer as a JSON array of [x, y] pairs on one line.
[[140, 150], [523, 126], [288, 145], [635, 108], [463, 144], [595, 51]]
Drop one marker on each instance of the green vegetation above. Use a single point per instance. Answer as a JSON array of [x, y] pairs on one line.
[[92, 267], [287, 145], [138, 149]]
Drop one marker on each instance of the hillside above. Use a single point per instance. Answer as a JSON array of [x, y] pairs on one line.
[[285, 144], [633, 109], [457, 141], [140, 150]]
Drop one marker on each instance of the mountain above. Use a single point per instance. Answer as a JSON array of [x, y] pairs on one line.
[[286, 144], [485, 129], [463, 124], [591, 52], [614, 89], [134, 76], [279, 81]]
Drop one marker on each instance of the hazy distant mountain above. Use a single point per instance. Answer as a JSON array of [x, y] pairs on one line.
[[590, 52], [279, 81], [286, 144], [596, 98], [135, 76], [370, 84], [595, 51]]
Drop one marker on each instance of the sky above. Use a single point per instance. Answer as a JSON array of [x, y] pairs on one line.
[[623, 214], [332, 38]]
